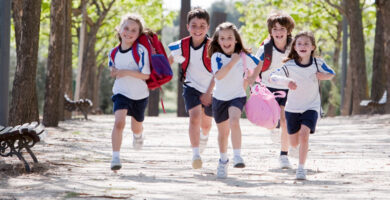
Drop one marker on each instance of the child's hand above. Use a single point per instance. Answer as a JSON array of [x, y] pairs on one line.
[[292, 85], [206, 99], [324, 76], [113, 72]]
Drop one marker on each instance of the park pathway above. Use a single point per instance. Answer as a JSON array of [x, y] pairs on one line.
[[349, 158]]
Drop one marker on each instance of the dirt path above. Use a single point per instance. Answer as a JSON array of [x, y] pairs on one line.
[[349, 158]]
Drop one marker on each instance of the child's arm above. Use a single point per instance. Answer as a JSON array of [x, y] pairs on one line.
[[278, 77], [255, 74], [220, 74], [123, 72], [324, 76], [207, 97]]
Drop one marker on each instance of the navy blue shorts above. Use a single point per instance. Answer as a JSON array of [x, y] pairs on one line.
[[295, 120], [192, 99], [221, 108], [135, 108], [281, 101]]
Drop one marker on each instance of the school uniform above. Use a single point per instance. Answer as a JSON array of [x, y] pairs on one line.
[[304, 103], [129, 92], [229, 91], [276, 62], [197, 77]]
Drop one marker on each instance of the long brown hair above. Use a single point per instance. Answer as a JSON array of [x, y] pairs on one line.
[[293, 53], [214, 46]]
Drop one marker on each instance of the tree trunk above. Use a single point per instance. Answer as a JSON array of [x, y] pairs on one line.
[[385, 11], [55, 64], [185, 8], [24, 104], [216, 19], [332, 109], [378, 68], [5, 32], [346, 79], [154, 100], [357, 61], [67, 75]]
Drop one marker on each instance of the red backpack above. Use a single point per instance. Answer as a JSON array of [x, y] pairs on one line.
[[268, 46], [185, 48], [160, 69]]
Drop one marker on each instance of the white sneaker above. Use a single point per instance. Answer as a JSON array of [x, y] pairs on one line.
[[197, 162], [202, 144], [116, 163], [222, 169], [294, 152], [284, 162], [138, 143], [301, 174], [238, 162], [275, 135]]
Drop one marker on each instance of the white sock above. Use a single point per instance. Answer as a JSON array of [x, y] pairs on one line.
[[224, 157], [237, 152], [195, 151], [204, 137], [301, 166], [115, 154], [139, 135]]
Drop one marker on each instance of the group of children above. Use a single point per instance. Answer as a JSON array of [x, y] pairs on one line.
[[214, 85]]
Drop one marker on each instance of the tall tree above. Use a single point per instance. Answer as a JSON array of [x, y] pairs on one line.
[[385, 11], [67, 72], [357, 61], [24, 104], [378, 68], [5, 24], [185, 8], [55, 64]]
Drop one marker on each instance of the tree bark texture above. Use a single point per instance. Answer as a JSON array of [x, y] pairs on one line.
[[154, 100], [185, 8], [55, 64], [385, 11], [357, 61], [24, 102], [378, 68], [67, 75]]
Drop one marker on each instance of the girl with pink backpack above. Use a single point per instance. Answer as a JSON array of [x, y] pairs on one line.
[[229, 95], [302, 72]]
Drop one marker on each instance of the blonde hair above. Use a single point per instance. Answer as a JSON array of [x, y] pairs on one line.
[[215, 47], [134, 17]]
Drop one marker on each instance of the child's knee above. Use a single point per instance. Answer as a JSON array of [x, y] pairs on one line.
[[119, 124]]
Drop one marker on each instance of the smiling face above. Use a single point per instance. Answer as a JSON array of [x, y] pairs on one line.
[[227, 41], [129, 32], [279, 32], [198, 28], [304, 47]]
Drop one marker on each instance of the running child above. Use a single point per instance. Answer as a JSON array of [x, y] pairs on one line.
[[130, 90], [280, 26], [198, 83], [229, 97], [302, 72]]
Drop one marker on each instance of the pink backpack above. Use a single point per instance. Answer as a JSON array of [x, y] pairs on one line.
[[261, 108]]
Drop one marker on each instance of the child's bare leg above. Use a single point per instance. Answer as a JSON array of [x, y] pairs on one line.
[[194, 127], [304, 133], [223, 136], [234, 124], [136, 126], [206, 124], [283, 126], [119, 125], [294, 139]]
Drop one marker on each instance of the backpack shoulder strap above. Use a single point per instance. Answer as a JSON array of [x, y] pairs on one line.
[[185, 51], [268, 47], [205, 57], [113, 53]]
